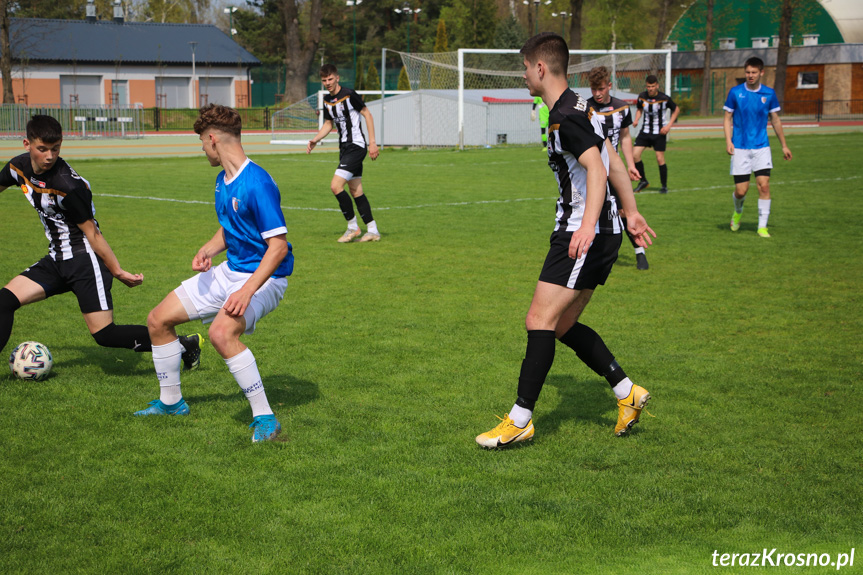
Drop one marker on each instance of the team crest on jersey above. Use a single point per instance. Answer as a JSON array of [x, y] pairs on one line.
[[763, 99], [236, 204], [37, 183]]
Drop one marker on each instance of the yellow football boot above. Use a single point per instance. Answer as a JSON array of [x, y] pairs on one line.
[[630, 409], [505, 433]]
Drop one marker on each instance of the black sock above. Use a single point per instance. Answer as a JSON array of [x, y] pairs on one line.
[[364, 208], [640, 167], [590, 349], [663, 175], [534, 368], [8, 304], [345, 205], [134, 337]]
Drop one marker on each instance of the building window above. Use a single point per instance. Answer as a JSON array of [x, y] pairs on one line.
[[807, 80]]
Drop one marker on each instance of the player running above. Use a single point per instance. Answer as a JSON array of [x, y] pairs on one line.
[[236, 294], [747, 109], [79, 258], [343, 107], [584, 245]]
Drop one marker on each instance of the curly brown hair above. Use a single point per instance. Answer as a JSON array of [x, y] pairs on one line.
[[220, 118], [599, 77]]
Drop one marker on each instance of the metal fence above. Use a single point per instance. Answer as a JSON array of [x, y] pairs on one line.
[[823, 110], [81, 122], [183, 119]]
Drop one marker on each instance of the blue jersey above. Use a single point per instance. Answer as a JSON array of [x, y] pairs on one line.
[[751, 111], [249, 213]]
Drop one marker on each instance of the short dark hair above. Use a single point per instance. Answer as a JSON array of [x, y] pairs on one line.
[[219, 117], [551, 49], [599, 77], [651, 80], [755, 62], [329, 70], [44, 128]]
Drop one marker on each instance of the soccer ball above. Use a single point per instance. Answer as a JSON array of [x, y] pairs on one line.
[[31, 360]]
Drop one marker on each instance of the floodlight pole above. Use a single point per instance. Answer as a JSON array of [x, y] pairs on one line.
[[383, 91], [354, 4], [193, 89]]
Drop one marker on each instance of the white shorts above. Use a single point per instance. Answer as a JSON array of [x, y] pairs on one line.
[[204, 295], [745, 162]]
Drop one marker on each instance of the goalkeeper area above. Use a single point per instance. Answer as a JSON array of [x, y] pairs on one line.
[[473, 97]]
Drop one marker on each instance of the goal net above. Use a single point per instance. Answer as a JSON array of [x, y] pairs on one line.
[[477, 97]]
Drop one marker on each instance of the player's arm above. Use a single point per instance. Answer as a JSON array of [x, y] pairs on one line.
[[667, 127], [777, 127], [326, 128], [728, 126], [103, 250], [596, 185], [637, 117], [203, 260], [277, 250], [626, 146], [617, 177], [370, 124]]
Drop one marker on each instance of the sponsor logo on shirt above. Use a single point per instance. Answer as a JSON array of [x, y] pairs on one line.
[[37, 183]]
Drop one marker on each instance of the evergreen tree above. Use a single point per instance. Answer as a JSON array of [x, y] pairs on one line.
[[372, 79], [404, 82], [509, 34], [360, 84], [441, 44]]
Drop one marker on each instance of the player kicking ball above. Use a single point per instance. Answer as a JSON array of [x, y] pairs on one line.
[[79, 257], [237, 293], [584, 245], [747, 109], [344, 107]]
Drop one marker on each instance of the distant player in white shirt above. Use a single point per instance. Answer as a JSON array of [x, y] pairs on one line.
[[240, 291], [747, 109]]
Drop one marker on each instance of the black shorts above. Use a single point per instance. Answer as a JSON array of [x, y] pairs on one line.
[[351, 159], [586, 272], [655, 141], [85, 275]]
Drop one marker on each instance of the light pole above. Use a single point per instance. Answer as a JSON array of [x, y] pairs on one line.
[[194, 87], [354, 3], [536, 4], [562, 15], [230, 12], [406, 9]]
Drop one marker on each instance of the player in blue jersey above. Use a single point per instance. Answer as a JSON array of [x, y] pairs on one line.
[[747, 109], [237, 293]]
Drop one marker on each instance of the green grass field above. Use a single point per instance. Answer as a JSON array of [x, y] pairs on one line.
[[385, 360]]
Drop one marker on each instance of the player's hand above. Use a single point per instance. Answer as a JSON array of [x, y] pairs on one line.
[[237, 303], [730, 149], [786, 153], [311, 146], [639, 230], [131, 280], [374, 151], [633, 173], [533, 115], [201, 262], [664, 130], [580, 242]]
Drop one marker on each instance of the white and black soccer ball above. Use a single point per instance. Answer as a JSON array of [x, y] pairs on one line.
[[31, 360]]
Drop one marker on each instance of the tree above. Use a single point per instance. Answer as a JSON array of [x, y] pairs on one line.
[[473, 22], [705, 79], [783, 49], [662, 23], [6, 56], [404, 81], [441, 44], [576, 24], [509, 34], [373, 81], [301, 43]]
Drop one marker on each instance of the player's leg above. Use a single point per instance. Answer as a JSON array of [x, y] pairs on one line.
[[19, 292], [762, 181], [337, 185], [225, 334], [640, 143], [365, 209], [640, 255], [663, 167], [741, 170]]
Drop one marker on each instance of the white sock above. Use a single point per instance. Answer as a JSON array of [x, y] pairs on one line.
[[167, 359], [639, 250], [373, 228], [352, 224], [520, 416], [245, 370], [622, 389], [763, 213], [738, 203]]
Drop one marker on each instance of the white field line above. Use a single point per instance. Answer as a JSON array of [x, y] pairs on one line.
[[728, 186]]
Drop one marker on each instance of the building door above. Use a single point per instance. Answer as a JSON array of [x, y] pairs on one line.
[[217, 90], [120, 92], [80, 90], [172, 92]]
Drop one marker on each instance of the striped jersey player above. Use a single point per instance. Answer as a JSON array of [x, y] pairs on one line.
[[652, 104]]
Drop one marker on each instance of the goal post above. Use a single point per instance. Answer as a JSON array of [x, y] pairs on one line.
[[656, 61]]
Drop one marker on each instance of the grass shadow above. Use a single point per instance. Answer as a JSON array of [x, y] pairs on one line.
[[110, 361], [579, 399]]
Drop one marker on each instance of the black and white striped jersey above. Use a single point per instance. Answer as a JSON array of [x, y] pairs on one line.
[[62, 199], [573, 128], [615, 116], [654, 108], [343, 109]]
